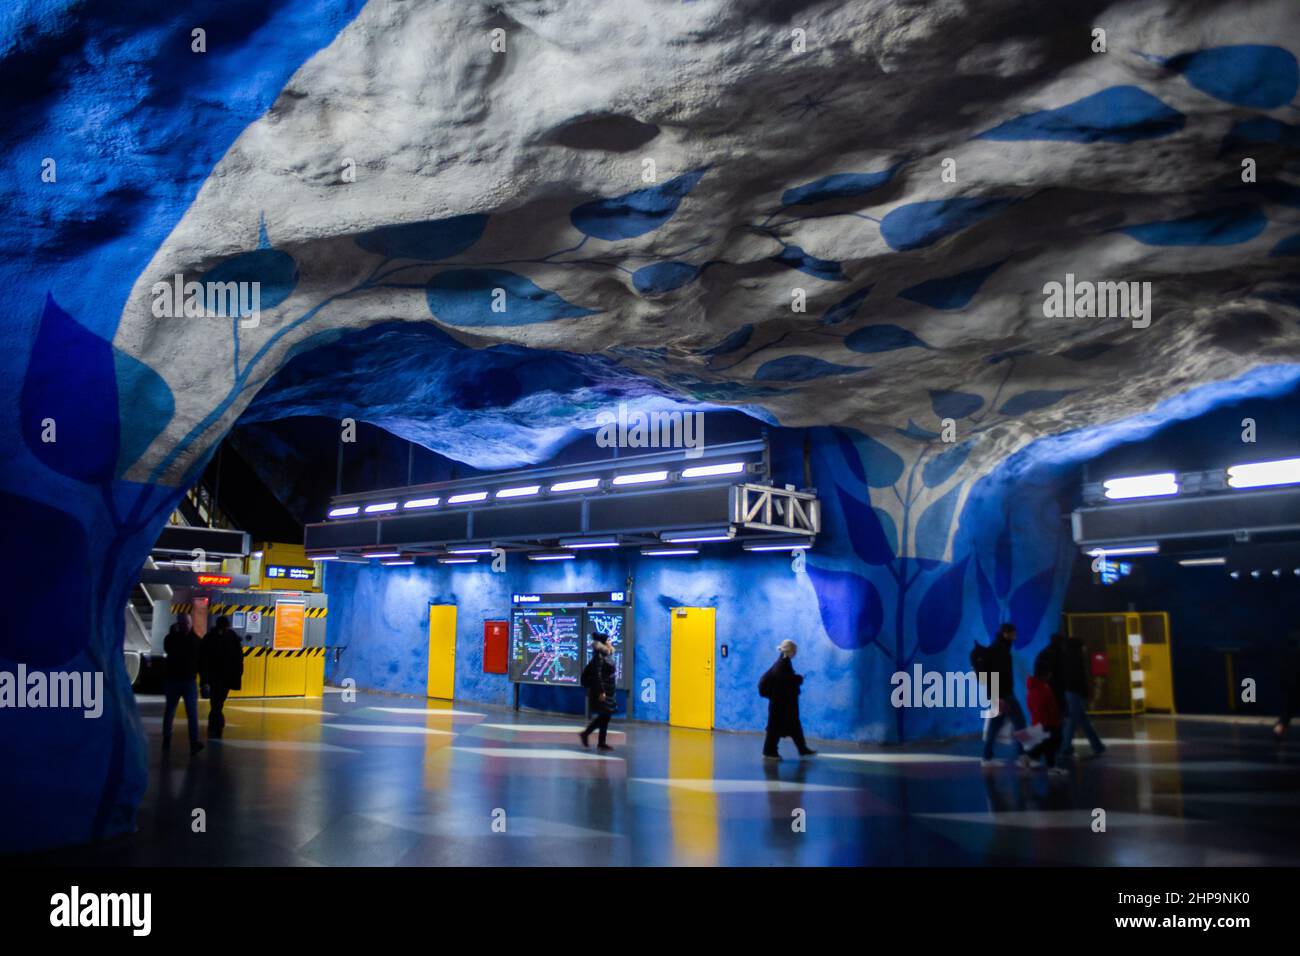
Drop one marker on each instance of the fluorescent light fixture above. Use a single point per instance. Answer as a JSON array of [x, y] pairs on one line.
[[552, 556], [1142, 486], [1202, 562], [256, 554], [1263, 473], [521, 492], [777, 545], [346, 512], [641, 478], [384, 554], [470, 549], [467, 496], [384, 506], [579, 484], [415, 503], [709, 471], [696, 537], [458, 560], [325, 557], [589, 543], [397, 561], [1125, 549], [668, 552]]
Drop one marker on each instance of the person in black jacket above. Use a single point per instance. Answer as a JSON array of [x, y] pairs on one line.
[[780, 685], [1051, 661], [997, 660], [598, 679], [181, 645], [222, 666], [1074, 679], [1290, 687]]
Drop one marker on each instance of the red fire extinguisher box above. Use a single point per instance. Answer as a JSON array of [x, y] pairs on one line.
[[495, 650]]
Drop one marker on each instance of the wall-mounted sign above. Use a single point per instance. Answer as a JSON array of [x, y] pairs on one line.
[[207, 580], [289, 618], [253, 624], [288, 572], [572, 597]]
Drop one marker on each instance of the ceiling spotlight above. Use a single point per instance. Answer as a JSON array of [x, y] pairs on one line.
[[1255, 575], [1235, 575]]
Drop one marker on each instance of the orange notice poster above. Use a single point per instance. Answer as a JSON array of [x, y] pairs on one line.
[[288, 625]]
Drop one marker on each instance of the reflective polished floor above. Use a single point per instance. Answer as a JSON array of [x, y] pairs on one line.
[[399, 781]]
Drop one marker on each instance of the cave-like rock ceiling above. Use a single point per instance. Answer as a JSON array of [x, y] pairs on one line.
[[823, 213]]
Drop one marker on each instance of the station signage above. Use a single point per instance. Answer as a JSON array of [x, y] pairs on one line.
[[288, 572], [578, 597], [208, 580]]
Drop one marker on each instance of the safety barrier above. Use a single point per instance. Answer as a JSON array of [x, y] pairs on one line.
[[283, 673]]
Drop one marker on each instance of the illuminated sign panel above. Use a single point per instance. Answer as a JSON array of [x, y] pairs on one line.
[[288, 572], [210, 579]]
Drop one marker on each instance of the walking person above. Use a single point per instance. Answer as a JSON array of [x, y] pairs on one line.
[[1074, 681], [781, 686], [181, 645], [996, 659], [598, 679], [1046, 713], [223, 671], [1290, 674]]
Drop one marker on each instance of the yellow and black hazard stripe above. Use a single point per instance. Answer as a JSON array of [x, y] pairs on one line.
[[317, 611], [304, 652], [268, 610], [182, 608]]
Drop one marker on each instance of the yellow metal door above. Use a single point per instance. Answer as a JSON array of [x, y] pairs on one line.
[[442, 651], [690, 691]]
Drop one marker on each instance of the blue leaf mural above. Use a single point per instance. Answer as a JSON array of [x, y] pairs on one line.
[[882, 338], [990, 610], [149, 404], [795, 258], [801, 368], [426, 241], [1028, 604], [851, 457], [635, 213], [1002, 561], [838, 186], [916, 433], [950, 292], [662, 277], [1225, 226], [71, 381], [1034, 399], [846, 308], [1261, 129], [935, 522], [939, 614], [1290, 246], [883, 467], [920, 224], [944, 465], [1118, 114], [950, 404], [872, 542], [464, 297], [1250, 74], [851, 609], [275, 272], [736, 340]]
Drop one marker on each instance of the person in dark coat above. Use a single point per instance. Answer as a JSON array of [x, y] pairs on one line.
[[997, 660], [222, 667], [1074, 680], [181, 645], [598, 679], [1050, 658], [781, 685]]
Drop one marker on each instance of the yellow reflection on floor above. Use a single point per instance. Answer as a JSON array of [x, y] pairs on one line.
[[437, 754], [694, 813]]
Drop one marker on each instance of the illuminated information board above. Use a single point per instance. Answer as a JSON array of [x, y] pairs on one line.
[[611, 624], [546, 646]]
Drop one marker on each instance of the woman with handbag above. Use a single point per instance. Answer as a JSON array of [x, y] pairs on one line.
[[598, 679]]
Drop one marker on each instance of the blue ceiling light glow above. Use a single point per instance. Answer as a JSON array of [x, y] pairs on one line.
[[416, 503], [1142, 486], [578, 484], [641, 478], [710, 471]]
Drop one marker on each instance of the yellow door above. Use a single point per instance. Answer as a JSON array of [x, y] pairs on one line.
[[690, 690], [442, 650]]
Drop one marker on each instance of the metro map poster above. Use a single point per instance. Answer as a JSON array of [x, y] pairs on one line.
[[546, 646]]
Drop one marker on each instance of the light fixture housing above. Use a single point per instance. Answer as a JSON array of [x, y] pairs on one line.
[[458, 560], [552, 556], [466, 497], [585, 543], [1142, 486], [653, 552], [696, 537], [713, 471], [470, 549], [1202, 562], [523, 491], [768, 545], [347, 511], [416, 503], [395, 562], [577, 484], [1123, 549], [640, 478], [1263, 474], [381, 507], [383, 554]]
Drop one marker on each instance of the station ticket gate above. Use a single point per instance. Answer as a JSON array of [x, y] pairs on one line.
[[1129, 659]]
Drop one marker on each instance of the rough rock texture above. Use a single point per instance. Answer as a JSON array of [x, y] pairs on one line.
[[649, 188]]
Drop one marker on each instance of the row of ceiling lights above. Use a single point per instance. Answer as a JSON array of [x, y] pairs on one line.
[[1262, 474], [527, 491]]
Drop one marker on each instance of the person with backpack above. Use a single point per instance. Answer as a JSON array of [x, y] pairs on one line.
[[1074, 680], [780, 685], [598, 680], [222, 667], [996, 659]]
